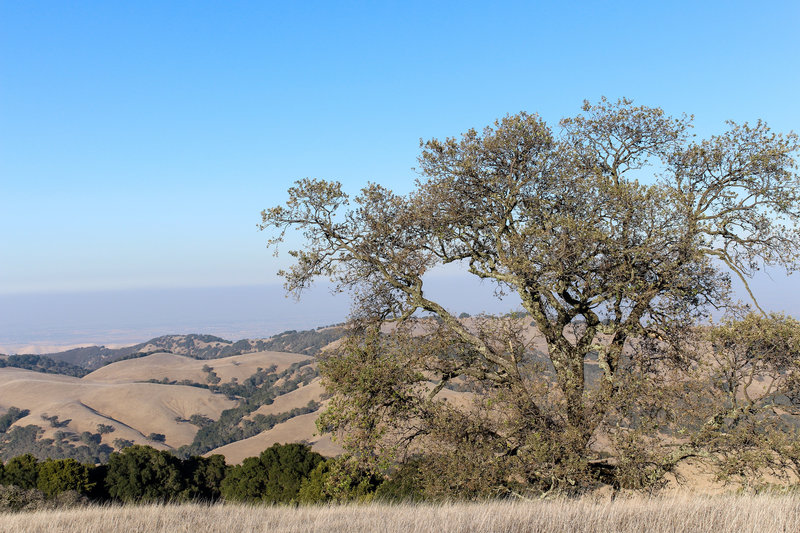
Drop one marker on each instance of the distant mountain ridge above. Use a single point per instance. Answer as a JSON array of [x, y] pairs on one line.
[[39, 363], [196, 346]]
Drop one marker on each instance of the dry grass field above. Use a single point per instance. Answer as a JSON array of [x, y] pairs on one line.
[[679, 514]]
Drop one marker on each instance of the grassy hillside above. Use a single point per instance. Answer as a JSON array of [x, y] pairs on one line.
[[63, 408], [164, 400]]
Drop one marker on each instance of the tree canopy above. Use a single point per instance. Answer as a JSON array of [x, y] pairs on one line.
[[144, 474], [22, 471], [618, 232], [60, 475], [274, 476]]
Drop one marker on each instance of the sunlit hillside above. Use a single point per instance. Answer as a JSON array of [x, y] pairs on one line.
[[168, 401]]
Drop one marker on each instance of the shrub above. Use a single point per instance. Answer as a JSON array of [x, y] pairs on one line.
[[21, 471], [13, 498], [273, 477], [338, 480], [204, 476], [62, 475], [143, 474]]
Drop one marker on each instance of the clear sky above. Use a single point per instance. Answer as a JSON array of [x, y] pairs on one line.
[[139, 141]]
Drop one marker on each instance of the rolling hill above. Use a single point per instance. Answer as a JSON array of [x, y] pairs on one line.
[[196, 346], [166, 400]]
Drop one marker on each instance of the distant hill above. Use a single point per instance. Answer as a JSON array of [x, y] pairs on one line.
[[309, 342], [196, 346], [191, 394], [40, 363], [168, 401]]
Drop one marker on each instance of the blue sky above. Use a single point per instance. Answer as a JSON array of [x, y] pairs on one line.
[[139, 141]]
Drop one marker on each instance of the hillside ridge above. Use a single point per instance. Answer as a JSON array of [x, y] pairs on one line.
[[195, 345]]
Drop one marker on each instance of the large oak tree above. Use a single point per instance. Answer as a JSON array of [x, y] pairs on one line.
[[617, 231]]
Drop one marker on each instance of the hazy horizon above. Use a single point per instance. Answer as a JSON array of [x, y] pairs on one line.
[[47, 322]]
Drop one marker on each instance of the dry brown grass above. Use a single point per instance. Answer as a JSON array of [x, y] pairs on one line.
[[741, 514]]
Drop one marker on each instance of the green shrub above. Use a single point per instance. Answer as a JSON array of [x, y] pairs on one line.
[[338, 480], [143, 474], [62, 475], [204, 476], [21, 471], [273, 477]]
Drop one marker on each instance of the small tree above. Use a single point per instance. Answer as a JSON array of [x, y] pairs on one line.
[[121, 444], [22, 471], [90, 438], [104, 429], [61, 475], [274, 476], [338, 480], [157, 437], [143, 474]]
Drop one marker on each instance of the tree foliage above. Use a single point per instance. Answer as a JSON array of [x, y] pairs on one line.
[[143, 474], [273, 477], [259, 389], [61, 475], [22, 471], [749, 405], [12, 415], [41, 363], [204, 477], [338, 480], [618, 233]]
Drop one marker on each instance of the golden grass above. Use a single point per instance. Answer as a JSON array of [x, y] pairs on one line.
[[740, 514]]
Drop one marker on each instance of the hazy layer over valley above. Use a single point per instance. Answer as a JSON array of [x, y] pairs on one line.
[[51, 322]]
